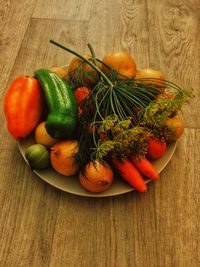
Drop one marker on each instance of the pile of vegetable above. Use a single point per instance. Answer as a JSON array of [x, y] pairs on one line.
[[97, 118]]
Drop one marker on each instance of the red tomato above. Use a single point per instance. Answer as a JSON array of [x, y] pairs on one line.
[[81, 93], [170, 96], [156, 148]]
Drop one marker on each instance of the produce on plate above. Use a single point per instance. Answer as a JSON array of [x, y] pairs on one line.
[[156, 148], [145, 167], [23, 106], [37, 156], [151, 76], [176, 124], [62, 72], [62, 118], [62, 157], [96, 177], [122, 62], [42, 137], [81, 93], [102, 117], [82, 73], [130, 174]]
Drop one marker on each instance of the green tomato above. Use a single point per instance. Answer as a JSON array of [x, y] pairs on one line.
[[37, 156]]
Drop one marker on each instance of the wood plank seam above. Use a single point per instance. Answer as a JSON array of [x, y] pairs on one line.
[[14, 61]]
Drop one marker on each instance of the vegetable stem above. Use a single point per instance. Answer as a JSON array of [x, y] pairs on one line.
[[84, 59], [92, 53]]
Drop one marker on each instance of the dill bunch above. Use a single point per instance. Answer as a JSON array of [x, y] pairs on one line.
[[162, 108], [119, 116]]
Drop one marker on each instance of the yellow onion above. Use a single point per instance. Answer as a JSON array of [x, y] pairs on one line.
[[97, 177]]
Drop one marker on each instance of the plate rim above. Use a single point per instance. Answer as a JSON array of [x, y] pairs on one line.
[[87, 193]]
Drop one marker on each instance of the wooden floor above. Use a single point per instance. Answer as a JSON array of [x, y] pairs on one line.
[[41, 226]]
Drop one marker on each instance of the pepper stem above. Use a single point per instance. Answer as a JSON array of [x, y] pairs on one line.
[[84, 59]]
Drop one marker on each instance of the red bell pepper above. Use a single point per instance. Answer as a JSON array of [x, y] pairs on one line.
[[23, 106]]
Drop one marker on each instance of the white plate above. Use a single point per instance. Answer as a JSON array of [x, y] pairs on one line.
[[72, 185]]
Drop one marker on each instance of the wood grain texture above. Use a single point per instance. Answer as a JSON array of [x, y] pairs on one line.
[[12, 29], [120, 25], [174, 47], [36, 51], [41, 226], [63, 9], [24, 215], [159, 228], [25, 203], [179, 225]]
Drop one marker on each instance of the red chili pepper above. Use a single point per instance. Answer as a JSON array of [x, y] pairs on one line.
[[23, 106]]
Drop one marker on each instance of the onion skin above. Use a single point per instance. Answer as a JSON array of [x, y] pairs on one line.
[[62, 157], [97, 177], [76, 63], [122, 62], [177, 125], [148, 73], [60, 71]]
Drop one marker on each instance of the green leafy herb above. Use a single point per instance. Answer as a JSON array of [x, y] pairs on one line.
[[120, 115]]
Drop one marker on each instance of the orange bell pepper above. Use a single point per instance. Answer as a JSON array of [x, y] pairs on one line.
[[23, 106]]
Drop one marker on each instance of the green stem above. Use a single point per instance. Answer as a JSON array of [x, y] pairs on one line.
[[103, 63], [98, 105], [131, 98], [92, 53], [142, 95], [166, 83], [93, 133], [128, 110], [94, 59], [84, 59], [118, 106], [111, 101]]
